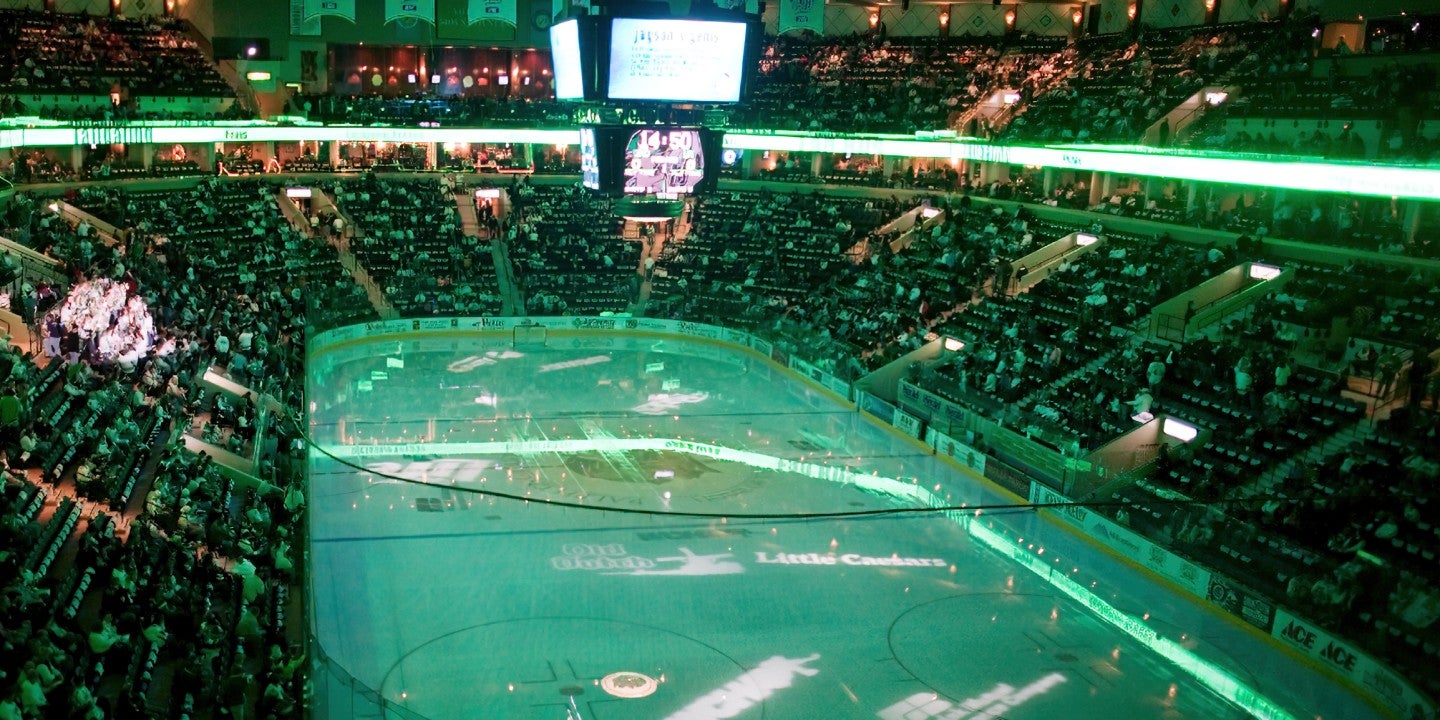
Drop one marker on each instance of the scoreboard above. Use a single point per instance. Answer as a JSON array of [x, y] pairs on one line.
[[666, 163], [655, 59], [637, 58], [676, 60], [654, 161]]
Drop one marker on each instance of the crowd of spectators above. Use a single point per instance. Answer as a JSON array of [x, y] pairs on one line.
[[890, 85], [83, 54], [1372, 224], [109, 113], [1117, 89], [407, 235], [1286, 79], [903, 284], [568, 254], [1102, 89], [170, 544], [753, 255], [36, 166]]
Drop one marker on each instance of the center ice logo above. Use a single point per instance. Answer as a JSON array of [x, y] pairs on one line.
[[665, 403], [692, 564], [612, 559], [928, 706], [751, 688]]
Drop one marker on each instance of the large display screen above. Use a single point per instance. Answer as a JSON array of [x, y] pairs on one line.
[[565, 59], [664, 162], [649, 162], [676, 60], [589, 159]]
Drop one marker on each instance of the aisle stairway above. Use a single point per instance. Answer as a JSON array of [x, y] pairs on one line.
[[511, 302], [106, 232], [323, 203], [292, 213], [469, 221]]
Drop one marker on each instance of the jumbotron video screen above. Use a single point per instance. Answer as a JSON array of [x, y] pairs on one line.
[[666, 163], [657, 162]]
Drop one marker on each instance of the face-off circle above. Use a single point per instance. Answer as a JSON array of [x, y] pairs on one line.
[[519, 668], [626, 684]]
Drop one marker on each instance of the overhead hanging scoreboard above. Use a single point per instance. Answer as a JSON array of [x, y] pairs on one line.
[[657, 161]]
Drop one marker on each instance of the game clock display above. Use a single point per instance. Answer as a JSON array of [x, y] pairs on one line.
[[663, 162], [655, 161]]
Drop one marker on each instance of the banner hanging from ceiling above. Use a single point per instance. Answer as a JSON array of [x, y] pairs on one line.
[[339, 8], [801, 15], [501, 10], [479, 20], [300, 24], [413, 9]]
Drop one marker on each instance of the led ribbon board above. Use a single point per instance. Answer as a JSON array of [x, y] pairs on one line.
[[1296, 173], [1228, 168]]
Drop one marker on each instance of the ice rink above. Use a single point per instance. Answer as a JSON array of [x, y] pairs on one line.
[[450, 602]]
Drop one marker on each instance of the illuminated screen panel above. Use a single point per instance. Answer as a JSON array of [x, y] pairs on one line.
[[589, 159], [1309, 173], [664, 162], [565, 58], [676, 60]]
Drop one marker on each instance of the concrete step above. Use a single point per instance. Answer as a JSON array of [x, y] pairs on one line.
[[469, 221]]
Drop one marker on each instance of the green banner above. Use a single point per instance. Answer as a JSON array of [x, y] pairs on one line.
[[477, 20]]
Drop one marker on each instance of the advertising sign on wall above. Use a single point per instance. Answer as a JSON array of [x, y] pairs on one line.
[[1242, 602], [958, 451], [1337, 654], [906, 423], [1178, 570]]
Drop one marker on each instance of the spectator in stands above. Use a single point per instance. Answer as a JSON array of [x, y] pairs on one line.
[[11, 418], [1155, 372], [54, 331], [1243, 379], [1141, 403]]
